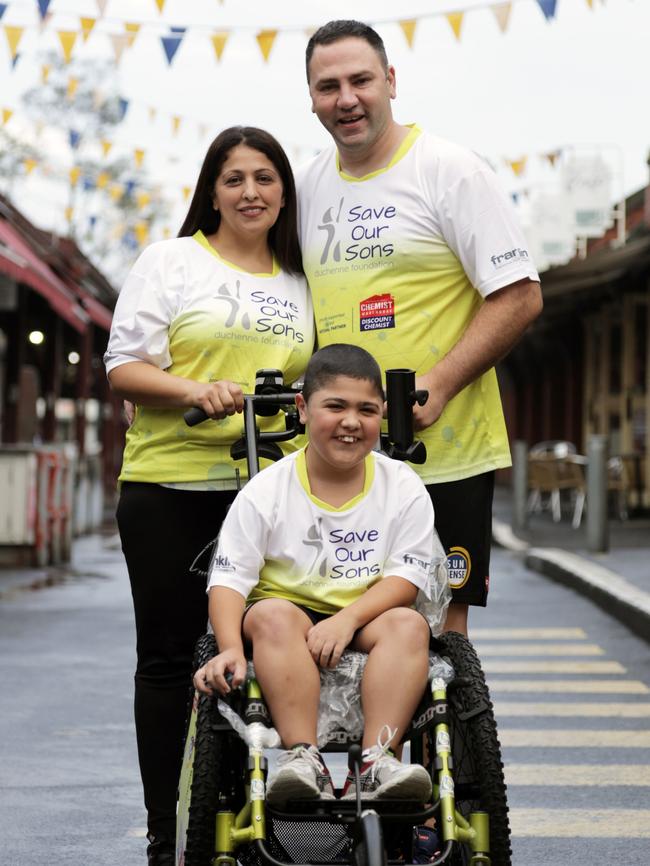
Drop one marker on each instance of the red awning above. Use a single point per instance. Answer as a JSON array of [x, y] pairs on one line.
[[96, 311], [20, 262]]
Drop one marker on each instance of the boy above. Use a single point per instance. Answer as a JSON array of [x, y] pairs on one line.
[[325, 550]]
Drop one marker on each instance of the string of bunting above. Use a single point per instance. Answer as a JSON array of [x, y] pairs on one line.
[[122, 34]]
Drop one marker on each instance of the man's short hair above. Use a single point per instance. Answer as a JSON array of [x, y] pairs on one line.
[[333, 31], [341, 359]]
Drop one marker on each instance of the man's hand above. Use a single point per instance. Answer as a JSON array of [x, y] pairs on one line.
[[328, 639], [213, 674], [425, 416]]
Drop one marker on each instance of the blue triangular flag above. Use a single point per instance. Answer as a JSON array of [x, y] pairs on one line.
[[42, 7], [170, 44], [124, 104], [548, 8], [74, 138], [3, 7], [14, 60], [129, 187]]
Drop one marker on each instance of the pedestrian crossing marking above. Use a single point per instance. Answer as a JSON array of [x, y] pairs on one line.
[[588, 823], [499, 666], [577, 708], [572, 739], [538, 649], [137, 832], [528, 634], [552, 775], [612, 687]]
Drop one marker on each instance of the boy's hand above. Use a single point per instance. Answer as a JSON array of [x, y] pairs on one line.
[[213, 674], [328, 639]]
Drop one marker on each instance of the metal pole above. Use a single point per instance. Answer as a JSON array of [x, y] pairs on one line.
[[597, 523], [519, 483]]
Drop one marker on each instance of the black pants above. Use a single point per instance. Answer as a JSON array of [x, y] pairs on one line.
[[162, 530]]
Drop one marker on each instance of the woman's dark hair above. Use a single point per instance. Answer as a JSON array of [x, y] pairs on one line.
[[333, 31], [340, 359], [283, 236]]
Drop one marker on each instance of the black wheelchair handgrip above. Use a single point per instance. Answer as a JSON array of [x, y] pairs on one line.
[[195, 416]]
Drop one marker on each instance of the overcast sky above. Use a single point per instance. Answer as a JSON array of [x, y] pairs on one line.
[[580, 81]]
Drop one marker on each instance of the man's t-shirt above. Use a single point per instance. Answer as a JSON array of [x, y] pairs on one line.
[[399, 262], [280, 541]]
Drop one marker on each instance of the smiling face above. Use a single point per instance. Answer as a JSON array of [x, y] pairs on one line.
[[248, 193], [351, 92], [343, 420]]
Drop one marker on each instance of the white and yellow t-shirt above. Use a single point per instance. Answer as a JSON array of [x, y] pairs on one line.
[[280, 541], [399, 261], [188, 311]]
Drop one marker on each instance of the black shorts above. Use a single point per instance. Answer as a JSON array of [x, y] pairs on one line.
[[463, 518], [314, 615]]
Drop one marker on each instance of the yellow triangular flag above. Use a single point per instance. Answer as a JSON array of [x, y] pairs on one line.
[[502, 14], [6, 114], [132, 31], [68, 213], [161, 5], [219, 41], [552, 157], [186, 192], [45, 72], [106, 146], [152, 113], [119, 42], [167, 233], [142, 198], [67, 38], [590, 4], [30, 165], [102, 179], [408, 28], [138, 156], [73, 84], [176, 122], [141, 230], [518, 165], [75, 171], [115, 191], [87, 25], [456, 22], [265, 39], [14, 35]]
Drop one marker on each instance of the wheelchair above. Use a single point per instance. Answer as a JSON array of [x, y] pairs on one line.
[[223, 816]]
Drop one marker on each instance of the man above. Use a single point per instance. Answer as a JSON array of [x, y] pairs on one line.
[[414, 253]]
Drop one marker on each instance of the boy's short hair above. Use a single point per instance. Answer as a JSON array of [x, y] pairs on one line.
[[341, 359]]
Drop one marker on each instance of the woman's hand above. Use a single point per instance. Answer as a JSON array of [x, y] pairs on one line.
[[328, 639], [213, 674], [217, 399]]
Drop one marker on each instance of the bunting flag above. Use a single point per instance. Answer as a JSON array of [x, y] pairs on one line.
[[502, 14], [116, 190], [15, 59], [138, 156], [132, 31], [141, 230], [45, 72], [88, 184], [3, 9], [29, 165], [152, 113], [119, 41], [408, 28], [455, 22], [172, 43], [142, 198], [265, 39], [74, 173], [176, 122], [129, 187], [67, 38], [161, 5], [186, 192], [73, 84], [553, 157], [75, 138], [14, 35], [548, 8], [87, 25], [6, 115], [518, 166], [124, 106], [101, 5], [43, 6], [219, 42], [590, 4], [102, 179], [106, 146]]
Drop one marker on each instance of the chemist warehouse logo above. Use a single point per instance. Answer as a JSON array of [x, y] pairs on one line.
[[367, 229], [503, 259], [459, 567]]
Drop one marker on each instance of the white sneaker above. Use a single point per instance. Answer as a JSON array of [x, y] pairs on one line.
[[301, 774], [382, 775]]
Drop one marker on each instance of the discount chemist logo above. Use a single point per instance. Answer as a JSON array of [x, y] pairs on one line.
[[366, 235]]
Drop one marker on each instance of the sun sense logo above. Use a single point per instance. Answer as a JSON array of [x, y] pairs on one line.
[[504, 259]]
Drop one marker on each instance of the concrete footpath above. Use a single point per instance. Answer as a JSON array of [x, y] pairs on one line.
[[618, 581]]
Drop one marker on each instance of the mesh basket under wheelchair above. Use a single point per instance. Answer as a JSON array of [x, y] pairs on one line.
[[302, 842]]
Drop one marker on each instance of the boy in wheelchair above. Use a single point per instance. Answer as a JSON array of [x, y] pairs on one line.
[[327, 550]]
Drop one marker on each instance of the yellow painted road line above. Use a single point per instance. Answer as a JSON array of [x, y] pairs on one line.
[[527, 634], [499, 666], [596, 687], [538, 649], [574, 739], [576, 708], [552, 775], [587, 823]]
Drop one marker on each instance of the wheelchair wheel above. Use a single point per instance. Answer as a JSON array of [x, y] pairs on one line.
[[370, 851], [217, 781], [475, 748]]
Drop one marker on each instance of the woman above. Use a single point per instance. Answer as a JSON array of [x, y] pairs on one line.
[[197, 316]]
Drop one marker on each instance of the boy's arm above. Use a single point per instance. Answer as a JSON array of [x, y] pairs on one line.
[[328, 639], [226, 609]]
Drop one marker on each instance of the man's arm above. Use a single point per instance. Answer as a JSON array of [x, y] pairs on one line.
[[494, 330]]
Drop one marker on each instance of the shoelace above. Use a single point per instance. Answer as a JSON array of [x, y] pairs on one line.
[[381, 749], [302, 752]]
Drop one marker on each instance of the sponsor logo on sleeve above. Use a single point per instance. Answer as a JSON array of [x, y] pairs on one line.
[[502, 260]]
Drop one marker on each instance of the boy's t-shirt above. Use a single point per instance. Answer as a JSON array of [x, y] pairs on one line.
[[280, 541]]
